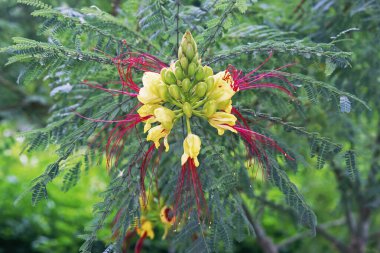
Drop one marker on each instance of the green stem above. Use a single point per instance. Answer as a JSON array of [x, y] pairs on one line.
[[188, 125], [199, 114], [200, 103]]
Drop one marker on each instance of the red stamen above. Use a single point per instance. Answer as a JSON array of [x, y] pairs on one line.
[[249, 81], [253, 142], [143, 170], [140, 242], [190, 179], [127, 62]]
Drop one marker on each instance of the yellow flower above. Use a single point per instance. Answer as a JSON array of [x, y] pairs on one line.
[[167, 215], [148, 110], [146, 227], [223, 91], [222, 121], [165, 116], [158, 113], [156, 133], [168, 218], [149, 94], [191, 148]]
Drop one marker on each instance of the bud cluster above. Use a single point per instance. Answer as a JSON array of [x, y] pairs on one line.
[[187, 82], [194, 89]]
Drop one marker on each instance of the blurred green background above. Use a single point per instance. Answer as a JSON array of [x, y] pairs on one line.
[[54, 225]]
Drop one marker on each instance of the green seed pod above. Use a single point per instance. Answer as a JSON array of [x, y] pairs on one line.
[[186, 84], [187, 110], [200, 75], [208, 71], [209, 108], [210, 83], [177, 64], [191, 70], [174, 91], [179, 73], [163, 91], [163, 72], [200, 89], [184, 63], [170, 77]]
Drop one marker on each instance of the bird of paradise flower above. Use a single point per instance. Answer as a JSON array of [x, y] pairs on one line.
[[182, 90]]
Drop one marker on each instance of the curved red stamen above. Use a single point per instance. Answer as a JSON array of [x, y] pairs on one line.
[[140, 242], [189, 178], [250, 80], [143, 170], [254, 141], [129, 61], [111, 91], [240, 116]]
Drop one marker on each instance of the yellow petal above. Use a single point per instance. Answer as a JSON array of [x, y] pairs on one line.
[[223, 121], [184, 158], [191, 148], [147, 110], [165, 116], [149, 93], [146, 227], [156, 133]]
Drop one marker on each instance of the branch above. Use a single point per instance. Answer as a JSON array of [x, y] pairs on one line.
[[347, 210], [263, 240], [284, 243], [219, 26], [337, 243]]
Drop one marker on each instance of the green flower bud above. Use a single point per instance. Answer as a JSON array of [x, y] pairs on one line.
[[186, 84], [174, 91], [192, 68], [200, 75], [209, 108], [187, 110], [208, 71], [163, 72], [184, 63], [196, 59], [179, 73], [200, 89], [189, 51], [210, 83], [180, 53], [170, 77], [163, 91], [177, 64]]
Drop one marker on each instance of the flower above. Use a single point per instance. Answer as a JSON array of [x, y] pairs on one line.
[[167, 218], [184, 90], [165, 116], [223, 90], [191, 149], [145, 228], [156, 133], [223, 121], [149, 93]]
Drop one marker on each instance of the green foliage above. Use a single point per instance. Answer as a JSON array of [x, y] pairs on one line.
[[80, 45], [53, 225]]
